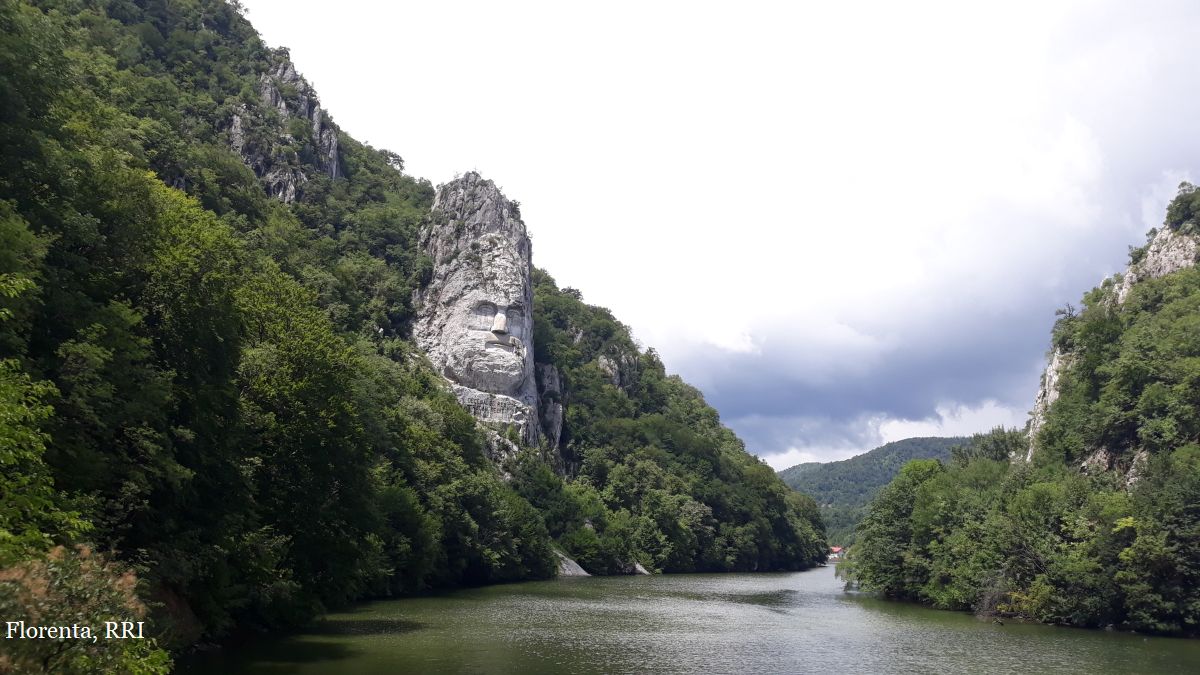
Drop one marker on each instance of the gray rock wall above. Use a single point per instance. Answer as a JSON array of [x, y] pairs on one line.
[[1168, 252], [550, 403], [475, 317], [283, 91], [1046, 396]]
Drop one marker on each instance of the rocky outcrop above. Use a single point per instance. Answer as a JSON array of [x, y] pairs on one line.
[[619, 368], [1099, 461], [1130, 466], [474, 317], [1046, 396], [273, 153], [1137, 467], [568, 567], [1169, 251], [550, 403]]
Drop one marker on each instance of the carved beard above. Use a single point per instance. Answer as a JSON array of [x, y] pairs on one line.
[[481, 361]]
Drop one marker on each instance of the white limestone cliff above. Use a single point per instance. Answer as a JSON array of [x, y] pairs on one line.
[[1169, 251], [1046, 396], [475, 316]]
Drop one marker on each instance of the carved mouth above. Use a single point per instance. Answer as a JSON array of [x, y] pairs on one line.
[[504, 340]]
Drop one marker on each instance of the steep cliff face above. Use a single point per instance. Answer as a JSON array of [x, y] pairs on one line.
[[289, 127], [1169, 250], [475, 316], [1046, 396], [550, 402]]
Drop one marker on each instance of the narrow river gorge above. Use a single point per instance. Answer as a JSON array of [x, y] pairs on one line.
[[728, 623]]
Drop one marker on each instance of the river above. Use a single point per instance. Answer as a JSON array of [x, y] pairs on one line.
[[713, 623]]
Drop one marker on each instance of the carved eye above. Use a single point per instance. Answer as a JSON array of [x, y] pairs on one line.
[[485, 313], [515, 316]]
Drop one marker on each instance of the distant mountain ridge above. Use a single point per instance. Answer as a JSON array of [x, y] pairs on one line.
[[842, 489]]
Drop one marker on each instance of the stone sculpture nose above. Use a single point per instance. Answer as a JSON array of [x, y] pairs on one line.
[[500, 323]]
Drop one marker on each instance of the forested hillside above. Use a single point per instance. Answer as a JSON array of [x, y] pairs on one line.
[[1102, 526], [211, 414], [657, 478], [843, 489]]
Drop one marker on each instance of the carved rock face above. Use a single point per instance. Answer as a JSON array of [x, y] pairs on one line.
[[475, 317], [487, 327]]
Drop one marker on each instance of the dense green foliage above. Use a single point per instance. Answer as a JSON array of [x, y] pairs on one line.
[[843, 489], [657, 479], [213, 387], [212, 384], [1103, 526]]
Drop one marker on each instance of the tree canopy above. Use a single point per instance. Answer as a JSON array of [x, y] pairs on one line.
[[1103, 526]]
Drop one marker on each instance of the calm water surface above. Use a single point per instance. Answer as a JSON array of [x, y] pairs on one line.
[[728, 623]]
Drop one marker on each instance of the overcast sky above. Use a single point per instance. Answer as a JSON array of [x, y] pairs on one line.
[[847, 223]]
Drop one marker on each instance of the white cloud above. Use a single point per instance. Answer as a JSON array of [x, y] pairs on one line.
[[793, 456], [871, 431], [738, 342], [954, 419]]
